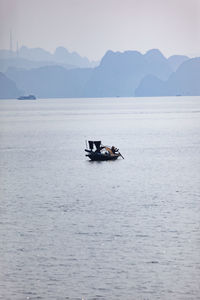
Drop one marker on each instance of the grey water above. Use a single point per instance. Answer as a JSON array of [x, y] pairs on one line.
[[75, 229]]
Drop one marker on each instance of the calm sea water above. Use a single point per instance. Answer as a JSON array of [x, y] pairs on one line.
[[75, 229]]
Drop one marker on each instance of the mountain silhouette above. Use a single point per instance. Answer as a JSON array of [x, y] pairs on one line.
[[176, 60], [51, 81], [37, 57], [185, 81], [119, 74], [125, 74], [158, 65], [8, 89], [150, 85], [63, 55], [34, 54], [22, 63]]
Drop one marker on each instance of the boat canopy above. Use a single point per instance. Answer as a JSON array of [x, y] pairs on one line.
[[96, 143]]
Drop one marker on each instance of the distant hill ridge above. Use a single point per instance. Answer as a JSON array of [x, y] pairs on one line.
[[124, 74], [35, 57], [8, 89], [185, 82]]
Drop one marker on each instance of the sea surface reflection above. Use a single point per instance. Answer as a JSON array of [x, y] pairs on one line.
[[75, 229]]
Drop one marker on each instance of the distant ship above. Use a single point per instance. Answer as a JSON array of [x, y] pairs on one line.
[[29, 97]]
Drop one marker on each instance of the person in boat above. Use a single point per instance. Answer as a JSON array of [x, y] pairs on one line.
[[114, 149]]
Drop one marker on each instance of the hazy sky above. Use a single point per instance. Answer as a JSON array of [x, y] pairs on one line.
[[91, 27]]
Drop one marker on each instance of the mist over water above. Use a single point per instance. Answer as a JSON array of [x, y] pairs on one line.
[[126, 229]]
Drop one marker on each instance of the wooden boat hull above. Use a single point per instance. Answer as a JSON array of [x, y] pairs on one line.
[[102, 157]]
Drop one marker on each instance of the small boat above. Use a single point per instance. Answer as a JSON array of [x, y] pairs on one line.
[[29, 97], [99, 152]]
